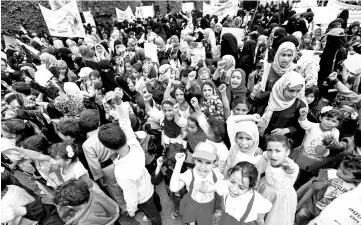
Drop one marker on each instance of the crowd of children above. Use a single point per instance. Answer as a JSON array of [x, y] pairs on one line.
[[254, 133]]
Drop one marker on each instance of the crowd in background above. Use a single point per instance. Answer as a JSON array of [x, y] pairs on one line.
[[245, 135]]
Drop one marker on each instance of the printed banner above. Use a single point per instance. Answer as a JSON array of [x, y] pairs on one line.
[[305, 3], [237, 32], [322, 15], [354, 10], [64, 22], [144, 12], [150, 51], [125, 15], [187, 6], [89, 18], [222, 10]]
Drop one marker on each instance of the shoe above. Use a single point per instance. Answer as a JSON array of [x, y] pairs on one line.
[[174, 215], [145, 218]]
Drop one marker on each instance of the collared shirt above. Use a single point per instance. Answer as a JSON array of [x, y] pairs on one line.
[[95, 153], [130, 171]]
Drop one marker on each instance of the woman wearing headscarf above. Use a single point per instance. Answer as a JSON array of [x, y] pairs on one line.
[[260, 48], [237, 85], [107, 75], [353, 31], [229, 46], [161, 49], [218, 32], [211, 47], [291, 24], [298, 35], [224, 69], [283, 63], [61, 71], [247, 56], [58, 44], [334, 52], [344, 16], [282, 112], [73, 47], [48, 60], [86, 59], [237, 22], [100, 53], [308, 42], [210, 103]]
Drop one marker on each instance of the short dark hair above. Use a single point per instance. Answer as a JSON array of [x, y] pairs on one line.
[[248, 170], [333, 113], [240, 100], [72, 193], [22, 88], [353, 163], [69, 127], [89, 120], [112, 136], [218, 127], [37, 143], [61, 150], [281, 139], [137, 67]]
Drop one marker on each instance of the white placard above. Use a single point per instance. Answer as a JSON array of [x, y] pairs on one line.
[[144, 12], [237, 32], [187, 6], [89, 18], [43, 75], [150, 51]]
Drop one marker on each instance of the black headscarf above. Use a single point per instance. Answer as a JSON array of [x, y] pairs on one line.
[[229, 46], [278, 35], [107, 77]]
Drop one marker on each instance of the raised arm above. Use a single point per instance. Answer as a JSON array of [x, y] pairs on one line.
[[175, 183], [225, 101], [30, 153]]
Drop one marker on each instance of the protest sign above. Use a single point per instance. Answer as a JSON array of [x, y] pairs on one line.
[[64, 22], [222, 10], [322, 15], [187, 6], [89, 18], [144, 12], [354, 10], [305, 4], [150, 51], [125, 15], [237, 32], [43, 75]]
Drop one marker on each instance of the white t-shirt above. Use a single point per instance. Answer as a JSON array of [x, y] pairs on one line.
[[344, 210], [314, 136], [77, 171], [236, 207], [11, 154], [198, 196]]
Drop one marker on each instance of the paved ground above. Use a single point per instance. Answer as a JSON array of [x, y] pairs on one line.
[[166, 204]]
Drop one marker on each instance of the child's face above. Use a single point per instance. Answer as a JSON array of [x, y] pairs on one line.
[[237, 184], [128, 67], [317, 32], [168, 111], [192, 127], [240, 109], [236, 79], [95, 79], [276, 152], [310, 98], [328, 123], [179, 96], [307, 40], [204, 76], [285, 58], [207, 91], [291, 93], [99, 49], [203, 166], [118, 61], [244, 142], [346, 110], [346, 173], [135, 73], [62, 162]]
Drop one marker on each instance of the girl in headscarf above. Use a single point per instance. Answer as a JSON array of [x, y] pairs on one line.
[[211, 46], [247, 56], [73, 47], [58, 44], [229, 46], [218, 32], [237, 85], [282, 112], [353, 30], [86, 59], [237, 22], [107, 75], [260, 48], [210, 103], [195, 133], [48, 60], [283, 63], [101, 53], [224, 69], [307, 42], [344, 16], [318, 33], [244, 150], [61, 71], [161, 49]]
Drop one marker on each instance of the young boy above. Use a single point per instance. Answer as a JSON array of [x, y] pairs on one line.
[[197, 207], [92, 206], [329, 185], [130, 171]]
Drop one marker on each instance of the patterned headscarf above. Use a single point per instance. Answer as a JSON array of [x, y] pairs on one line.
[[69, 105], [48, 59], [61, 64], [58, 44]]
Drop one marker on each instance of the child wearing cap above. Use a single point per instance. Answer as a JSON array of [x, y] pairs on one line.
[[197, 207]]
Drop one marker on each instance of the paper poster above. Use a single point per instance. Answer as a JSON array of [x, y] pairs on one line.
[[89, 18], [43, 75], [354, 10], [187, 6], [150, 51], [237, 32], [305, 3], [197, 50], [308, 55], [64, 22], [144, 12], [322, 15], [125, 15], [221, 10]]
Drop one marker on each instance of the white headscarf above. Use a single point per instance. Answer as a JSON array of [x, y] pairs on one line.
[[276, 63], [277, 101]]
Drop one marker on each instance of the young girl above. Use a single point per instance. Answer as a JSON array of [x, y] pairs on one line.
[[237, 85], [14, 132], [196, 207], [243, 205], [138, 77], [211, 104], [311, 95], [177, 92], [315, 134], [195, 134], [277, 184]]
